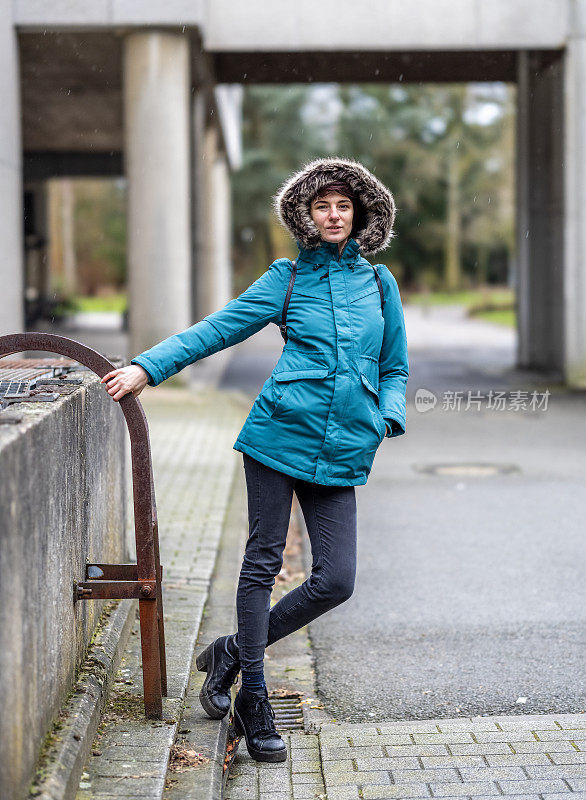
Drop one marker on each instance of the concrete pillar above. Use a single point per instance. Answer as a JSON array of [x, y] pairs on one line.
[[157, 85], [574, 91], [214, 223], [540, 214], [214, 273], [11, 196], [222, 231], [200, 237], [206, 278], [212, 230]]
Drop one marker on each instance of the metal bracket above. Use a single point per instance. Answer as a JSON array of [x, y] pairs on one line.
[[115, 590]]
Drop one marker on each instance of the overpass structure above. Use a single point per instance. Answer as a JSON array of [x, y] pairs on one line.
[[151, 91]]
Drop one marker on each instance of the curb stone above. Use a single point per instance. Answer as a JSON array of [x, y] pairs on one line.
[[62, 763], [314, 713]]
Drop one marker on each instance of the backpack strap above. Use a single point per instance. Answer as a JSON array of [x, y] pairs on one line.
[[380, 287], [283, 325]]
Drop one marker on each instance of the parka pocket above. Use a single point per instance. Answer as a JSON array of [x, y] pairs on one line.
[[363, 293], [296, 374], [369, 378], [297, 362], [369, 371], [285, 382], [314, 290]]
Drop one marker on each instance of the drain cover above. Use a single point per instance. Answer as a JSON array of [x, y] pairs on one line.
[[288, 711], [466, 469]]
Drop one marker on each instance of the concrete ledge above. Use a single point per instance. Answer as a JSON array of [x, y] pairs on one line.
[[62, 502]]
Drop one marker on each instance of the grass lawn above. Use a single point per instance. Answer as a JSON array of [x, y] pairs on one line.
[[493, 305], [490, 304], [114, 302]]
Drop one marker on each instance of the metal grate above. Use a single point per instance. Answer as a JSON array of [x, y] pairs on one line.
[[39, 379], [288, 711], [24, 374], [14, 389], [43, 363]]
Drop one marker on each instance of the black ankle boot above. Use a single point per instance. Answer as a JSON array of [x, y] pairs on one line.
[[221, 662], [253, 719]]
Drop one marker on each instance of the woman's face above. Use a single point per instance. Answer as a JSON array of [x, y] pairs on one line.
[[333, 214]]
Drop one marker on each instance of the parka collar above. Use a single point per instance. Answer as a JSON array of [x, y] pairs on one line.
[[326, 251]]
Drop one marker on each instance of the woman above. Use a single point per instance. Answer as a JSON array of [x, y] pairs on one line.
[[336, 391]]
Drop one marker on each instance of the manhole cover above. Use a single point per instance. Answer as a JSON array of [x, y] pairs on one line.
[[466, 469]]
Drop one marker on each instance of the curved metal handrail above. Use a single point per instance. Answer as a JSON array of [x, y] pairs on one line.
[[148, 568]]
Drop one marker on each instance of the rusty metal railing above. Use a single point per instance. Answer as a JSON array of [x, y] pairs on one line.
[[122, 581]]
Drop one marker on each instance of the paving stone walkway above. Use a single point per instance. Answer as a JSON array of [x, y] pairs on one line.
[[539, 756]]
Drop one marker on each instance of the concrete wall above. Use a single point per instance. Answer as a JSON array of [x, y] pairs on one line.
[[61, 501]]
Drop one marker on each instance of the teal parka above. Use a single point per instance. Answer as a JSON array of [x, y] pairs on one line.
[[342, 374]]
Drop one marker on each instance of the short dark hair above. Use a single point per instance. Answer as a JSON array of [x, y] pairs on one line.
[[336, 186]]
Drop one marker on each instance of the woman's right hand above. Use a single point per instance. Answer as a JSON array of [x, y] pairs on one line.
[[119, 382]]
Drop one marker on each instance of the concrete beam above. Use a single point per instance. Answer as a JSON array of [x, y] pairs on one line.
[[305, 25], [352, 66], [386, 25], [39, 166], [101, 13]]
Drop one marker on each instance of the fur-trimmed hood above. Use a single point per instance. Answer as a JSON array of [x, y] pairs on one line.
[[292, 203]]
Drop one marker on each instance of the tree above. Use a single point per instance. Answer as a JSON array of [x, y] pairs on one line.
[[444, 150]]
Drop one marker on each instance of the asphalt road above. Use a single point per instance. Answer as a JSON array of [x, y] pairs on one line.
[[470, 595]]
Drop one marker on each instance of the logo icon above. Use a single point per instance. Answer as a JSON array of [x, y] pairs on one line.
[[424, 400]]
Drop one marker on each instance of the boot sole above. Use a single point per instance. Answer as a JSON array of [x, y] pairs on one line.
[[257, 755], [201, 662]]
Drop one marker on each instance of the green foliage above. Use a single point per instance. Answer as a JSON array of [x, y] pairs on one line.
[[100, 234], [276, 140], [492, 304], [445, 151]]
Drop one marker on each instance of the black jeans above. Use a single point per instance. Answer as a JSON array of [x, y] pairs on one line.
[[330, 516]]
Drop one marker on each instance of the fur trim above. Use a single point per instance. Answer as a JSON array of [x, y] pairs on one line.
[[292, 202]]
